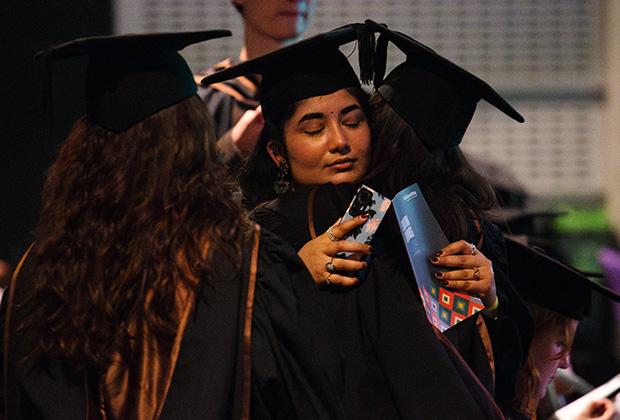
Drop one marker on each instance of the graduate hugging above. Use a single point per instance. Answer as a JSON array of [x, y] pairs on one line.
[[151, 292]]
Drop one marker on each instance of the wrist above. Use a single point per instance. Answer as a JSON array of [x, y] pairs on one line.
[[492, 309]]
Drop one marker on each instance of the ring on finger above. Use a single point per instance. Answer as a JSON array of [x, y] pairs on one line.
[[327, 281], [331, 235], [476, 275], [329, 266], [474, 250]]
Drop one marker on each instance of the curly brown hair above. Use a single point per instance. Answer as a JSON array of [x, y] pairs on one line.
[[126, 217]]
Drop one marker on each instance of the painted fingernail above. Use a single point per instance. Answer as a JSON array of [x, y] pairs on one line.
[[365, 216], [444, 283], [438, 253], [438, 274], [435, 259], [370, 249]]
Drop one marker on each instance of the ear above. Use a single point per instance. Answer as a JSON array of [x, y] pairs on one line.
[[274, 152]]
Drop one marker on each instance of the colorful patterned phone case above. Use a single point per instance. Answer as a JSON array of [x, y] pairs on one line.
[[366, 200]]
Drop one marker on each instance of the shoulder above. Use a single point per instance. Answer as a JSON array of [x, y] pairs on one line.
[[268, 216], [275, 250], [242, 89], [224, 64]]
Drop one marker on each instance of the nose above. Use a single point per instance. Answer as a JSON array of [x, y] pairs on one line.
[[565, 361], [338, 140]]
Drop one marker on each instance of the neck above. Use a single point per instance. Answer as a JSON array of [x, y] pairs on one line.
[[257, 44]]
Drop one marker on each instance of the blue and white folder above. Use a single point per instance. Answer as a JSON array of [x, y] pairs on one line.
[[423, 238]]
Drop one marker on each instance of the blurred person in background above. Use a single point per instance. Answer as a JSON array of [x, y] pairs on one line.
[[268, 25], [558, 296]]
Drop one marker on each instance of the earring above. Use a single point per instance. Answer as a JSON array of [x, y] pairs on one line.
[[282, 184]]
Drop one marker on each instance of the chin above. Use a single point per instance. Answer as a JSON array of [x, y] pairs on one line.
[[542, 393], [285, 32], [352, 179]]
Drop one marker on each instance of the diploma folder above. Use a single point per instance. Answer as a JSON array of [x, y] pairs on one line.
[[423, 237]]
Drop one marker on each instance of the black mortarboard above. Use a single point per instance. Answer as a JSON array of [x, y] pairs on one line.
[[549, 283], [309, 68], [436, 97], [130, 77]]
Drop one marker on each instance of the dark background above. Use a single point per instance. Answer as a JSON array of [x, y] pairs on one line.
[[28, 137]]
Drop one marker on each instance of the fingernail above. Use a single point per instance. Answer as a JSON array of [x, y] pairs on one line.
[[438, 253], [444, 283], [438, 274], [364, 216], [435, 259], [365, 264], [369, 249]]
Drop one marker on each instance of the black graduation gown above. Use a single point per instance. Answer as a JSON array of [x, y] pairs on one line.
[[389, 363], [208, 376]]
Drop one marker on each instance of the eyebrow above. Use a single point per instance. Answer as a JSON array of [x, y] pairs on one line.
[[350, 108], [311, 116], [320, 115]]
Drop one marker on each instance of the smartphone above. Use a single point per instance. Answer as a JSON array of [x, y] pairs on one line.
[[366, 200]]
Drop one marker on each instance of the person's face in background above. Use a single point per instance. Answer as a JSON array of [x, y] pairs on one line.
[[327, 140], [281, 20], [545, 348]]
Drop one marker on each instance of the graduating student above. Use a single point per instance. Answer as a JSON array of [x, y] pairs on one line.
[[422, 109], [147, 284], [394, 364], [559, 296]]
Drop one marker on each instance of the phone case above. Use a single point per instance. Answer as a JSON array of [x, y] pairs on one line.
[[366, 200]]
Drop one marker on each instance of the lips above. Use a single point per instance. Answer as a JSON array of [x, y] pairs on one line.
[[293, 14], [342, 164]]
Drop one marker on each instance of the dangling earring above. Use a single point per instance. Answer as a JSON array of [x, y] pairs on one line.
[[282, 184]]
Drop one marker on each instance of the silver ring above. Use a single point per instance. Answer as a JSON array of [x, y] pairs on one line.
[[329, 266], [474, 250], [331, 235], [327, 282], [476, 273]]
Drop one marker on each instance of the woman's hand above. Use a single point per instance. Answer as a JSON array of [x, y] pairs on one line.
[[602, 409], [319, 254], [473, 271]]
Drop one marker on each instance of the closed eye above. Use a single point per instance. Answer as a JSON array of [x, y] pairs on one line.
[[314, 132]]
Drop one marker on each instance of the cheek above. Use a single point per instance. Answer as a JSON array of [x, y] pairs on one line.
[[304, 153], [363, 145]]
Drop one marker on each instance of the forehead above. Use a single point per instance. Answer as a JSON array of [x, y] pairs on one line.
[[333, 102]]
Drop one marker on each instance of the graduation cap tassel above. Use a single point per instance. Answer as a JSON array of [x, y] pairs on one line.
[[380, 59], [366, 53]]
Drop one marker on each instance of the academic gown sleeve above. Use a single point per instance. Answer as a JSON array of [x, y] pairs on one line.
[[512, 330], [30, 390], [294, 362], [384, 327]]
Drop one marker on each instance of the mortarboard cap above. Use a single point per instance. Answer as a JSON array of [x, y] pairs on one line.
[[308, 68], [550, 283], [130, 77], [436, 97]]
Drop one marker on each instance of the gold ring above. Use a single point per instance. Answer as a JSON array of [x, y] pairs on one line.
[[331, 235], [476, 273]]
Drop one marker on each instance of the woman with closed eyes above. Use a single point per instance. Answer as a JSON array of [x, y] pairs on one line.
[[388, 362]]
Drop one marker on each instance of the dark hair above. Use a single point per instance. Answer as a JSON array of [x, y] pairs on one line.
[[259, 171], [126, 219], [453, 189]]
